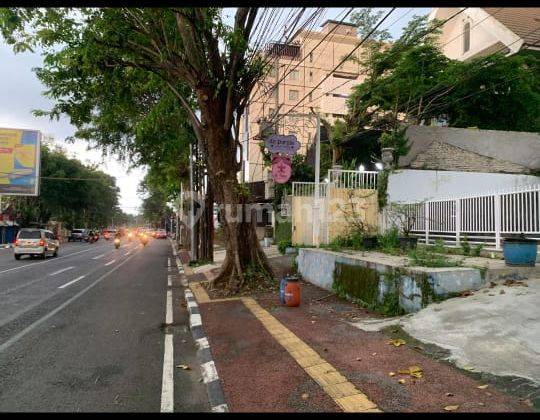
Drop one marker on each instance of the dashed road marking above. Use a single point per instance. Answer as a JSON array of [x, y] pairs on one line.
[[71, 282], [169, 281], [97, 257], [169, 315], [167, 383], [61, 271], [109, 263]]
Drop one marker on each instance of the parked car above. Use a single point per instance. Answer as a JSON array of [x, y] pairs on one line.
[[36, 242], [161, 234], [78, 235]]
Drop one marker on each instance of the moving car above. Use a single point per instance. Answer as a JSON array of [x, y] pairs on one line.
[[39, 242], [161, 234], [78, 235]]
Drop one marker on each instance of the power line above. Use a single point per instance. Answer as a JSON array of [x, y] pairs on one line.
[[341, 62], [303, 59]]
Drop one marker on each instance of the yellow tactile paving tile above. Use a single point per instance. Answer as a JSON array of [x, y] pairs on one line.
[[343, 392], [200, 294]]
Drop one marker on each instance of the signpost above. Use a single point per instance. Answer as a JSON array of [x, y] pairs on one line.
[[282, 148], [281, 169], [282, 144]]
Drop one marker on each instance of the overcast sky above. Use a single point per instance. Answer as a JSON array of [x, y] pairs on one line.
[[21, 93]]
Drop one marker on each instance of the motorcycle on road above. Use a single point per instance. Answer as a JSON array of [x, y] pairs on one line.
[[117, 243]]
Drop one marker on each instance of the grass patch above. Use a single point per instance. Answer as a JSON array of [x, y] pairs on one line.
[[425, 257]]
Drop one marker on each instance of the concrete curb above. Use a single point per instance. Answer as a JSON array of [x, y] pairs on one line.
[[208, 367]]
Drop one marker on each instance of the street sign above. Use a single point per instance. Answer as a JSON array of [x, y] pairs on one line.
[[19, 161], [281, 169], [282, 144]]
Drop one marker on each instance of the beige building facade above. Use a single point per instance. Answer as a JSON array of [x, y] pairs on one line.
[[304, 64], [480, 31]]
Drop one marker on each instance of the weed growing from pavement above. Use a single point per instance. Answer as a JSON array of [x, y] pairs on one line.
[[424, 257]]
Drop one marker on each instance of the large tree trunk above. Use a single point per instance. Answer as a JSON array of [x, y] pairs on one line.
[[243, 249]]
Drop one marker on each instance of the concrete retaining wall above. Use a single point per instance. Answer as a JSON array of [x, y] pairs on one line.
[[416, 286]]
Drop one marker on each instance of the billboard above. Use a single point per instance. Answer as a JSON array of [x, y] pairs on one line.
[[19, 161]]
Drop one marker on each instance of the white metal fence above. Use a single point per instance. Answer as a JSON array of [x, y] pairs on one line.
[[484, 218], [307, 189], [353, 179], [337, 178]]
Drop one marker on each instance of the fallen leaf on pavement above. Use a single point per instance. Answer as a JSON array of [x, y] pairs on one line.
[[466, 293], [482, 386], [401, 381], [392, 374], [305, 396], [451, 407], [185, 367], [449, 394], [481, 403], [358, 359], [374, 354], [502, 292], [397, 342], [313, 322], [414, 371], [469, 368], [492, 284]]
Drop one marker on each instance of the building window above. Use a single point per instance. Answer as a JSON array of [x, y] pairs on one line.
[[466, 37], [274, 94], [270, 111], [311, 76], [294, 75], [293, 95], [310, 96], [311, 57], [272, 72], [339, 95]]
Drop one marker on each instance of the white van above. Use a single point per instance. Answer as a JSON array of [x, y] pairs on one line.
[[38, 242]]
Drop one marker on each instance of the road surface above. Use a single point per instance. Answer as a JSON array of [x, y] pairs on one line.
[[87, 331]]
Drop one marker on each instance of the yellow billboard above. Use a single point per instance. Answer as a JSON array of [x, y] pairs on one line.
[[19, 161]]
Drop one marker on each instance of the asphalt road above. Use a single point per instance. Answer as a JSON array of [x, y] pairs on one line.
[[87, 331]]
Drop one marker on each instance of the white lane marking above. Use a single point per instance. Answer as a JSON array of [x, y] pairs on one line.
[[61, 271], [169, 315], [28, 329], [192, 304], [168, 262], [97, 257], [47, 261], [127, 253], [71, 282], [167, 383], [209, 372], [169, 281], [109, 263]]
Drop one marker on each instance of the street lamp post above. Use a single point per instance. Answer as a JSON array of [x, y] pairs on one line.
[[316, 198]]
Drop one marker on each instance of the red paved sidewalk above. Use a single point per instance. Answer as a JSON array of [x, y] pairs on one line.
[[256, 372]]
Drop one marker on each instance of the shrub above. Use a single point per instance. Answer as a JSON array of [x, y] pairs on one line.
[[465, 247], [477, 250], [389, 241], [439, 246], [283, 245]]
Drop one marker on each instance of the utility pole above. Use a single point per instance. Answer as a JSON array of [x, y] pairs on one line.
[[316, 204], [191, 207]]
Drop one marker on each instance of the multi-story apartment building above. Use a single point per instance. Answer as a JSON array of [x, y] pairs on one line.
[[304, 64]]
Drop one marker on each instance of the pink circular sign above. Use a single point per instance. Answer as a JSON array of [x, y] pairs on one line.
[[281, 169]]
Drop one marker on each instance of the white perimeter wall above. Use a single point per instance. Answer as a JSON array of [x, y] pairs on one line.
[[410, 185]]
